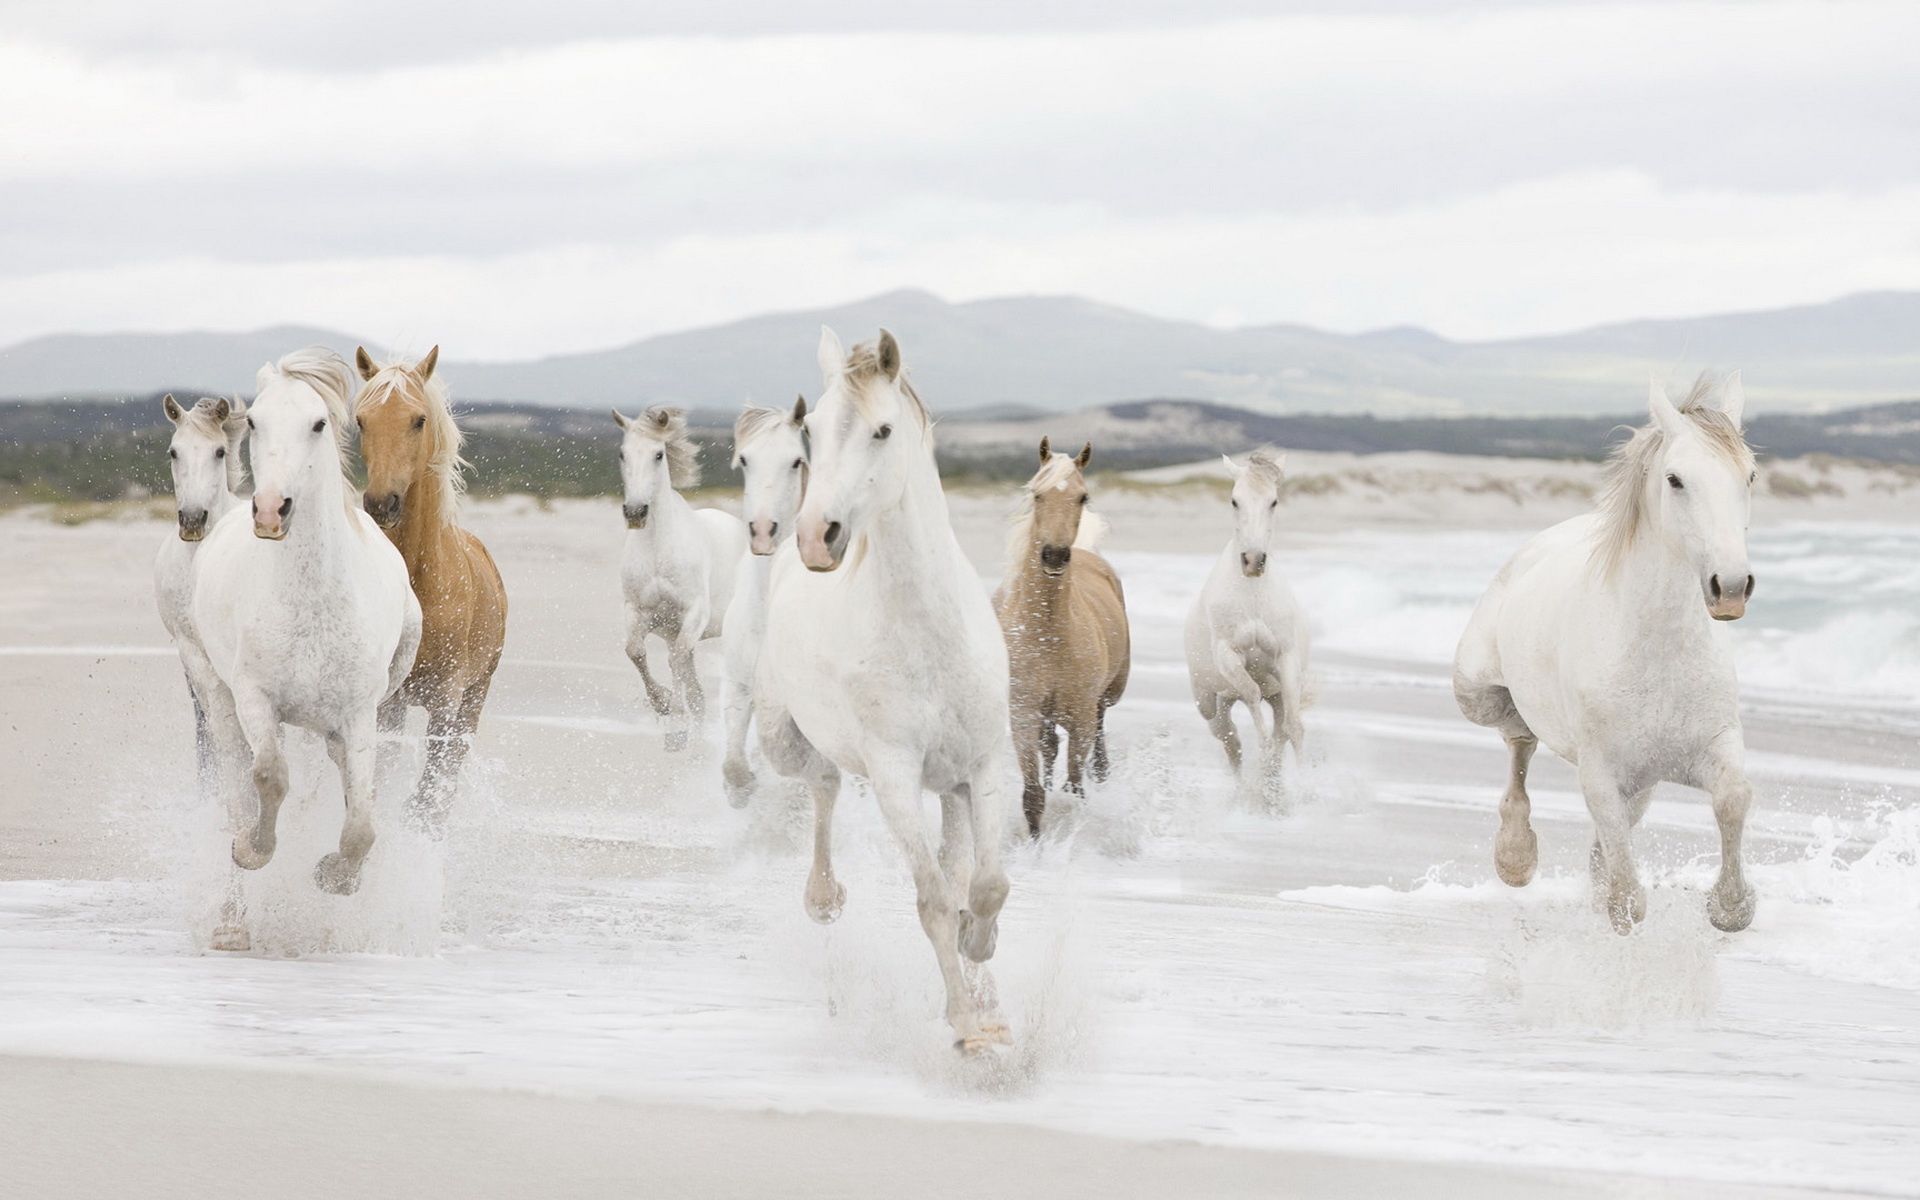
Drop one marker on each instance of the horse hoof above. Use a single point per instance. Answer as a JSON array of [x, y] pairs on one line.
[[997, 1032], [232, 938], [825, 910], [676, 740], [424, 816], [1730, 918], [337, 874], [979, 1045], [248, 853], [1516, 858], [739, 795], [977, 937]]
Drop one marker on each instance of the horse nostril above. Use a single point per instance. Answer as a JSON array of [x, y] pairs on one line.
[[286, 506], [1748, 593], [773, 528], [1713, 587]]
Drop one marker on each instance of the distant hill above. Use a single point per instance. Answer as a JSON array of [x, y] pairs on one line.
[[1060, 354]]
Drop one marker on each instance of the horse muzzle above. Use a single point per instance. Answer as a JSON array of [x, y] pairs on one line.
[[636, 515], [822, 544], [1054, 559], [763, 533], [385, 510], [1728, 603], [1253, 565], [270, 519], [193, 525]]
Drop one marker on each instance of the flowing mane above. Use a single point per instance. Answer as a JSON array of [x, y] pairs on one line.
[[1623, 499], [1053, 473], [1266, 464], [669, 427], [754, 421], [863, 367], [328, 375], [396, 374]]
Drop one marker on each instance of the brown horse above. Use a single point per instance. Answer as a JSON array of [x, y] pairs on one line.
[[1065, 618], [411, 445]]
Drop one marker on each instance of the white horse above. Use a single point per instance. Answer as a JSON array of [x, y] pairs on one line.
[[883, 658], [678, 570], [303, 607], [770, 449], [1601, 638], [204, 456], [1247, 639]]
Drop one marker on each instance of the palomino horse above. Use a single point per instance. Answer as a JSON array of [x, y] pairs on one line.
[[770, 448], [1065, 619], [678, 570], [1601, 637], [204, 455], [305, 614], [411, 445], [882, 657], [1246, 635]]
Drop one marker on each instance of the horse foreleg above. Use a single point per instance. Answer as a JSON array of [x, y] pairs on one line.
[[228, 754], [1049, 748], [1101, 767], [897, 788], [692, 709], [1516, 851], [956, 837], [449, 738], [353, 750], [1616, 882], [657, 696], [1217, 710], [1730, 905], [789, 752], [987, 890], [736, 706], [1030, 736], [1082, 726], [260, 726]]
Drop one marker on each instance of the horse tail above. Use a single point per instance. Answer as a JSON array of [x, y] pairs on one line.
[[1093, 531]]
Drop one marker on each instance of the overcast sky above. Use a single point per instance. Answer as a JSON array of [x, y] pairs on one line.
[[515, 180]]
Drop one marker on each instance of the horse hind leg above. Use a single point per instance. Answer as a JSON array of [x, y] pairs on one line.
[[691, 710], [450, 731], [898, 791], [1516, 849], [1617, 886]]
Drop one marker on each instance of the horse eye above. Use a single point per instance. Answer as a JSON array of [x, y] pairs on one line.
[[1235, 503], [419, 423], [658, 455], [883, 433], [320, 424], [1752, 477], [1084, 497], [1674, 482], [220, 453], [743, 462], [798, 463], [1275, 504], [172, 453], [249, 422]]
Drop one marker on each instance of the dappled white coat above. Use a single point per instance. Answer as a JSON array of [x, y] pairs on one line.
[[883, 658], [677, 573], [305, 613], [1247, 640], [1625, 672]]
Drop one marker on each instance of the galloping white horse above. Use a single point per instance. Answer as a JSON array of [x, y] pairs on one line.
[[204, 455], [1601, 638], [678, 569], [304, 610], [770, 448], [1246, 635], [883, 658]]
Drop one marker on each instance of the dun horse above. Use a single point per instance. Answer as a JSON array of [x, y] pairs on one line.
[[770, 448], [411, 445], [678, 570], [1065, 619], [204, 456], [306, 618], [1602, 638], [1246, 636], [882, 658]]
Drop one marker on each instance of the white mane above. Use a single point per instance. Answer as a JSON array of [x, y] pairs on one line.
[[1054, 473]]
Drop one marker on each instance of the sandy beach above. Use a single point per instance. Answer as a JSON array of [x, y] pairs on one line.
[[602, 982]]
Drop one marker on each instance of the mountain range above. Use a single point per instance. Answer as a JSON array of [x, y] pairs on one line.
[[1061, 353]]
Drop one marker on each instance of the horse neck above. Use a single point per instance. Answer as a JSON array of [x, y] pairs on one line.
[[1654, 579], [912, 544], [321, 534], [426, 532]]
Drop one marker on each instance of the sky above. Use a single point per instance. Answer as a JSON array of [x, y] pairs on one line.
[[515, 180]]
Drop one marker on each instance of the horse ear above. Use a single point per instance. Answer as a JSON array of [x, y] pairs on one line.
[[1234, 470], [833, 357], [1664, 414], [222, 410], [172, 408], [1733, 400], [365, 362], [888, 353], [424, 368], [619, 420], [1046, 450], [799, 410], [1086, 456]]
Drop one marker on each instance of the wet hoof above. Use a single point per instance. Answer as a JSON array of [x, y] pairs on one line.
[[824, 901], [1730, 918], [977, 937], [425, 816], [1627, 908], [232, 938], [1516, 857], [337, 874], [739, 783], [676, 740], [251, 851], [997, 1032], [980, 1045]]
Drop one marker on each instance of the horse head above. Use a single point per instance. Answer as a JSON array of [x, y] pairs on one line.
[[203, 455], [298, 430], [1256, 499], [868, 435], [770, 448], [1698, 490], [1058, 494], [407, 434], [655, 455]]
